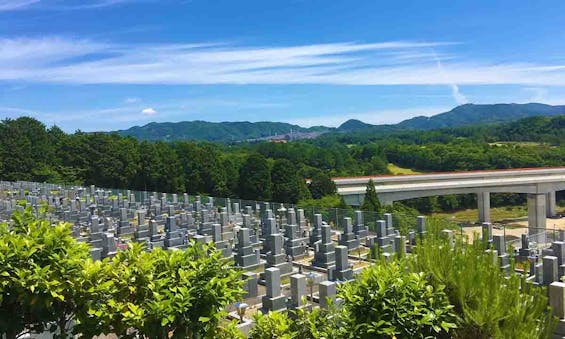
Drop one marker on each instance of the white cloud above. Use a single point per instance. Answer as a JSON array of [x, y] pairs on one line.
[[59, 60], [459, 98], [132, 100], [12, 5], [149, 111]]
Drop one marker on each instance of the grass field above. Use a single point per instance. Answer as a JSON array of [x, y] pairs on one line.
[[497, 214], [393, 169], [516, 143]]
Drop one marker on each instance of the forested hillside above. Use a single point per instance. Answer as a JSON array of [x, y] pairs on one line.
[[30, 151], [229, 132], [471, 114], [216, 131]]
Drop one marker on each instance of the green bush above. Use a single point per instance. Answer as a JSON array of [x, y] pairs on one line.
[[42, 283], [386, 301], [316, 324], [272, 325], [47, 281], [160, 292], [489, 303]]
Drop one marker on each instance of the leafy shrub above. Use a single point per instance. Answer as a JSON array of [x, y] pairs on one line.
[[321, 323], [157, 293], [47, 280], [300, 323], [41, 270], [272, 325], [385, 301]]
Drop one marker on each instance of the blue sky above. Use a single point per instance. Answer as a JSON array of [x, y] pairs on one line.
[[112, 64]]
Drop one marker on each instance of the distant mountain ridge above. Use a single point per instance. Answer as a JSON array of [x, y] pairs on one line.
[[470, 114], [221, 131], [464, 115]]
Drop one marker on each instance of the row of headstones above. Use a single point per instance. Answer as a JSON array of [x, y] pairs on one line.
[[549, 270], [101, 239], [275, 300], [278, 247]]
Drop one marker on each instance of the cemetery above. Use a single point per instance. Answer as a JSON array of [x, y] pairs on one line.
[[287, 259]]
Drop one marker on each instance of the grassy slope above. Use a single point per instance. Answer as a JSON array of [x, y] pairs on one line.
[[393, 169]]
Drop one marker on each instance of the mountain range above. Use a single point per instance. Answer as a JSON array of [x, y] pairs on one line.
[[464, 115]]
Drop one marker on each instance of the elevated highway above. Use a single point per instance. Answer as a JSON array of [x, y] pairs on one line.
[[540, 185]]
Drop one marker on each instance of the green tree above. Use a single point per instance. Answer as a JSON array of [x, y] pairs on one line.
[[204, 169], [160, 168], [371, 201], [384, 301], [326, 202], [255, 179], [25, 148], [489, 303], [321, 185], [287, 184]]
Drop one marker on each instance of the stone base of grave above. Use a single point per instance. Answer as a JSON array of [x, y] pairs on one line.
[[285, 268], [349, 240], [96, 253], [245, 326], [504, 261], [383, 241], [273, 304], [324, 260], [158, 243], [203, 239], [345, 275], [255, 267], [279, 261], [386, 249], [122, 231], [362, 234], [247, 258], [226, 252], [141, 233], [295, 249], [173, 242], [251, 279], [524, 253], [97, 243]]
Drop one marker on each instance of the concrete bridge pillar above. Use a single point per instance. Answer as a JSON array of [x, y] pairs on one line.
[[537, 212], [550, 204], [483, 201]]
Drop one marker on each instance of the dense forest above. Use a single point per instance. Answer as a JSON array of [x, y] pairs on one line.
[[274, 171]]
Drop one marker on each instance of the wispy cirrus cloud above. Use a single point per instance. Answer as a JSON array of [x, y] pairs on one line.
[[13, 5], [62, 60]]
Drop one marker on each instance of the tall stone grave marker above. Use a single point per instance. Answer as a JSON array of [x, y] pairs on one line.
[[324, 255]]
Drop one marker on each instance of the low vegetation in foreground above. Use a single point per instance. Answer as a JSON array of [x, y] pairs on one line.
[[443, 291]]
